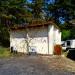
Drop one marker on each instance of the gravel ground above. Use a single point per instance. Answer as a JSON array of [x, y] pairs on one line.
[[31, 65]]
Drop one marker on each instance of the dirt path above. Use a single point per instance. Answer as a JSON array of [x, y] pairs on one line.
[[30, 65]]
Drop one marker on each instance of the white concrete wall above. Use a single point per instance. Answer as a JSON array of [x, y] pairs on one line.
[[38, 38], [51, 38], [54, 37], [17, 40], [57, 36]]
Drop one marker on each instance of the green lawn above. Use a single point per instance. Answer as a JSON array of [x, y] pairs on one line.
[[4, 52]]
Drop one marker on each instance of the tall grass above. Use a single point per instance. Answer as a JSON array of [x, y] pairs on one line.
[[4, 52]]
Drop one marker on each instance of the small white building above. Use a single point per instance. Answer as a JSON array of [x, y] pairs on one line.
[[40, 38]]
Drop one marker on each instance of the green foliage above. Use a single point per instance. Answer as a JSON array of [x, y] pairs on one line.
[[62, 8], [36, 7], [66, 34], [4, 36], [13, 12], [72, 36], [68, 31], [21, 11]]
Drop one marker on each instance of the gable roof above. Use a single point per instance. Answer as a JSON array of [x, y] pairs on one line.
[[33, 24]]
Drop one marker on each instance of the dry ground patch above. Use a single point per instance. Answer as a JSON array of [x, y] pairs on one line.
[[59, 63]]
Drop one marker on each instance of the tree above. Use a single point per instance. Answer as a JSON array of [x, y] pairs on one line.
[[62, 8], [36, 7], [66, 34], [12, 13], [72, 36], [4, 37]]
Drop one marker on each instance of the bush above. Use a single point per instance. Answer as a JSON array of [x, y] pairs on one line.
[[57, 49]]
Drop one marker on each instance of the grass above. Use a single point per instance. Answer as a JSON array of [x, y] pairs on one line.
[[4, 52]]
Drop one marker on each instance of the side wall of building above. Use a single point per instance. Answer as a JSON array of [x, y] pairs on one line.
[[54, 38], [34, 39], [57, 36], [51, 39]]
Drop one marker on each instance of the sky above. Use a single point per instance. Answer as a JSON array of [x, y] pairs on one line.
[[29, 1], [62, 21], [49, 1]]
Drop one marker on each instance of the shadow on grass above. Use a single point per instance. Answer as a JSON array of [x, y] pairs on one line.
[[71, 54]]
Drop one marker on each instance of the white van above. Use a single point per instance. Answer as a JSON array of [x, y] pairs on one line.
[[69, 45]]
